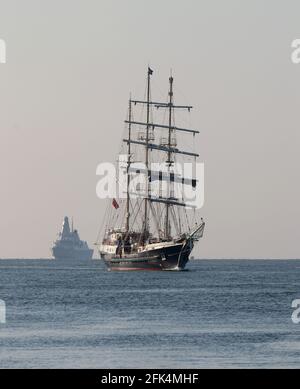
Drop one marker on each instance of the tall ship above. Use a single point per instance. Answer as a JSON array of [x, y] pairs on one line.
[[69, 245], [150, 226]]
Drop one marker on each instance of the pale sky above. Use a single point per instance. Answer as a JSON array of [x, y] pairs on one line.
[[63, 98]]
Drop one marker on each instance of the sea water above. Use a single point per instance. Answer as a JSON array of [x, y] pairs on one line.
[[219, 313]]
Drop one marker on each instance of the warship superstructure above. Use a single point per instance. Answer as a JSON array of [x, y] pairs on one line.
[[69, 245]]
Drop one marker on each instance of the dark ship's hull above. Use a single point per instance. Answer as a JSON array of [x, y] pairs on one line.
[[173, 257], [63, 253]]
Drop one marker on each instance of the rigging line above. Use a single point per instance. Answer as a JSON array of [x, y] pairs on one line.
[[110, 216], [179, 92], [179, 223], [165, 111], [123, 215], [124, 132], [102, 223], [161, 210], [158, 88], [134, 220], [134, 212], [142, 110], [187, 221], [107, 213], [133, 207], [158, 218], [114, 220], [174, 220], [140, 216], [139, 208], [154, 217]]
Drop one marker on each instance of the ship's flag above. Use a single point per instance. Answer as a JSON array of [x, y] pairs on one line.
[[115, 204]]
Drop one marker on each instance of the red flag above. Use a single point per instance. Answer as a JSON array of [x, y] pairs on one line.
[[115, 204]]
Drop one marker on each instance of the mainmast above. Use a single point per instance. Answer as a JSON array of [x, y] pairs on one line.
[[146, 224], [169, 160], [128, 168]]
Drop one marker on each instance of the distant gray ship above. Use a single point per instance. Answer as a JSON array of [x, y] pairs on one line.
[[69, 246]]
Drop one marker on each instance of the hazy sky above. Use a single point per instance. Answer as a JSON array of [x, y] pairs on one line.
[[63, 98]]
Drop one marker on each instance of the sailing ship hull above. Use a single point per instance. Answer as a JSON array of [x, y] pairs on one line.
[[167, 258]]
